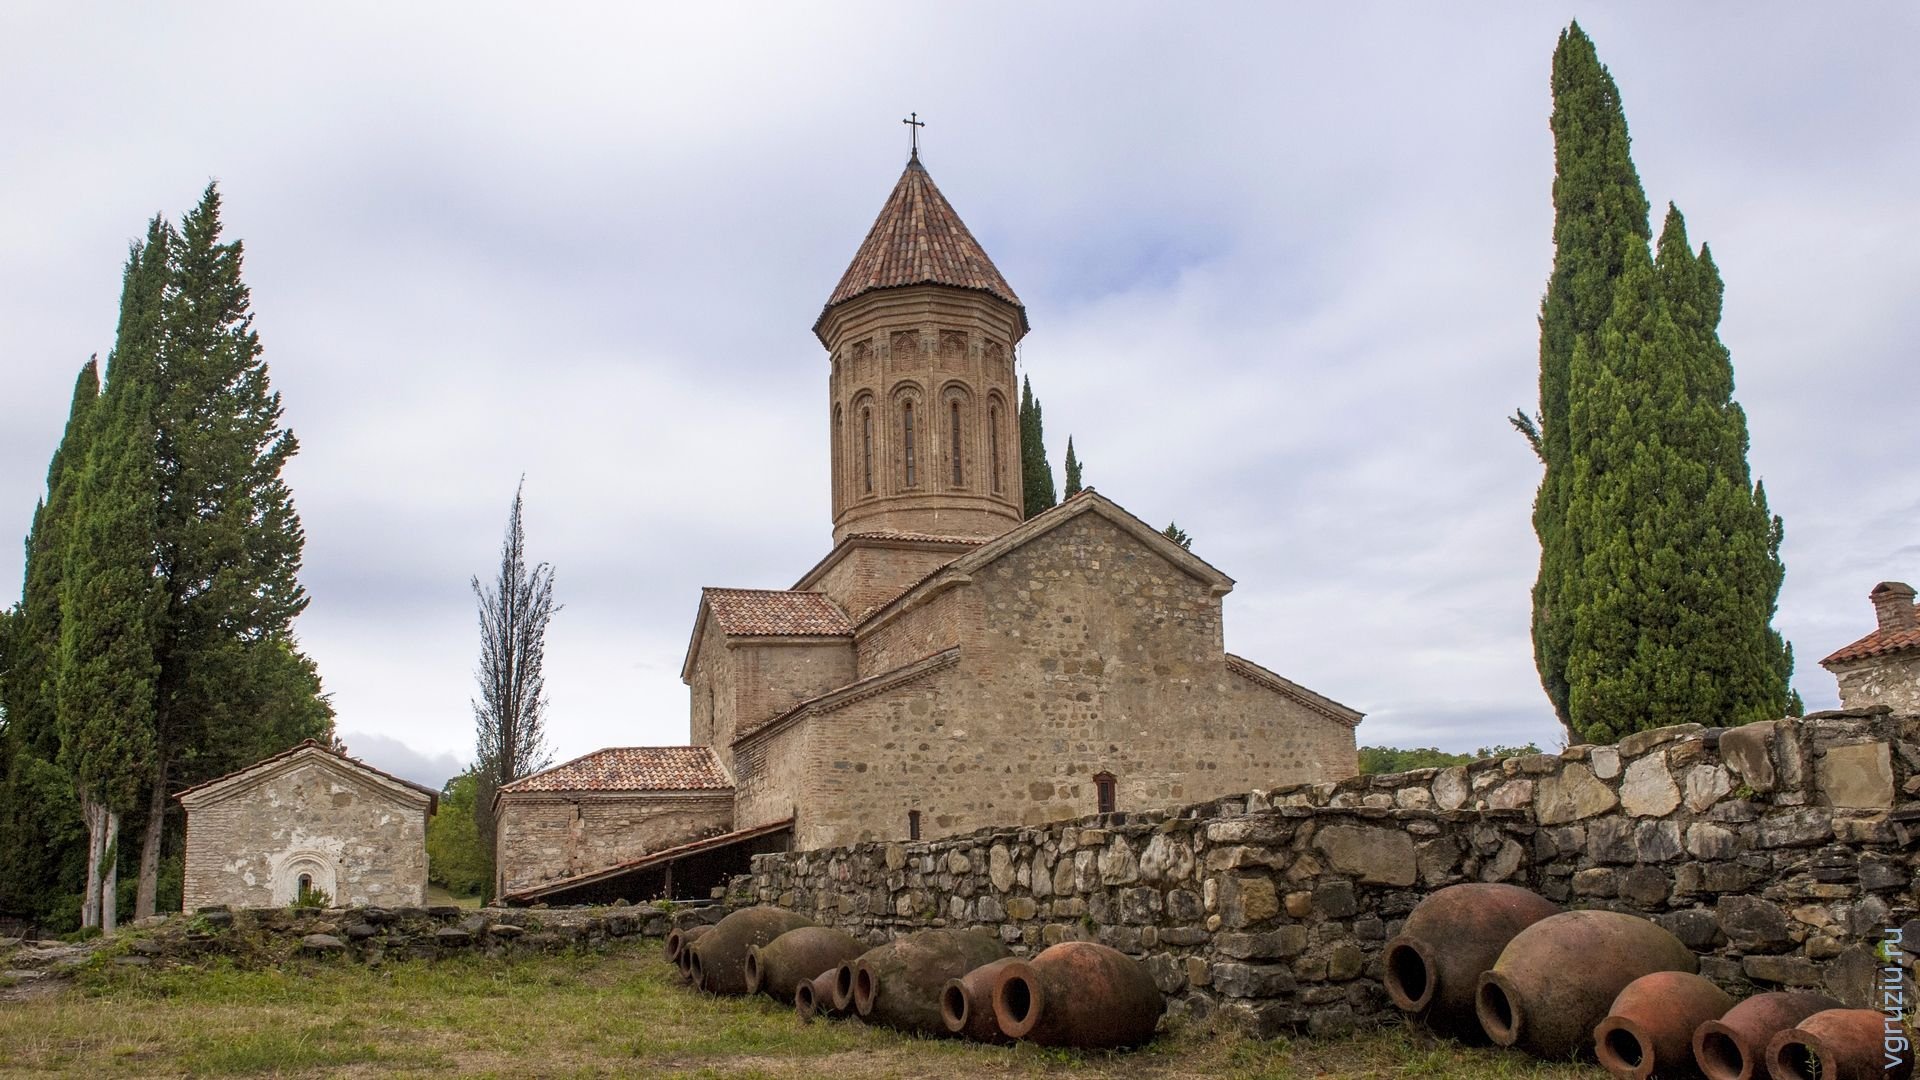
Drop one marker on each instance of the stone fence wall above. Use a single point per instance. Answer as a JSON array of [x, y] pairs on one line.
[[1783, 853]]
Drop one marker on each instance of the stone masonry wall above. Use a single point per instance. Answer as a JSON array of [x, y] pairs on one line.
[[1893, 681], [1782, 853], [353, 839], [545, 836]]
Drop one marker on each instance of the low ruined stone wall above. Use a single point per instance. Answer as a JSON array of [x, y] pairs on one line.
[[1783, 853]]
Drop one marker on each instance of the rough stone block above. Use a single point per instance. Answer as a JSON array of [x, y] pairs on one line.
[[1450, 788], [1748, 751], [1642, 741], [1335, 899], [1753, 924], [1380, 856], [1858, 776], [1781, 970], [1271, 945], [1648, 789], [1696, 928], [1252, 980], [1570, 796]]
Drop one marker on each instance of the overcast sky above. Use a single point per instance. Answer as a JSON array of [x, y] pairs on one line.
[[1283, 266]]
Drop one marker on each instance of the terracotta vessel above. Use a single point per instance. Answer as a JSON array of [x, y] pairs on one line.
[[1079, 994], [1841, 1044], [1557, 978], [719, 964], [815, 998], [899, 984], [966, 1004], [1450, 939], [843, 989], [682, 937], [1734, 1047], [1650, 1028], [797, 956]]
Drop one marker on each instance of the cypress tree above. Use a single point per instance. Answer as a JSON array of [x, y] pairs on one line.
[[37, 814], [1074, 486], [1681, 569], [110, 601], [1600, 218], [1036, 476], [1178, 535]]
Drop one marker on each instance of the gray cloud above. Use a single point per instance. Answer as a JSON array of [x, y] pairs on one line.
[[1283, 268]]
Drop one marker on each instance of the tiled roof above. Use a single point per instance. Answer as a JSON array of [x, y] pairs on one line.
[[633, 768], [919, 240], [776, 613], [1879, 643]]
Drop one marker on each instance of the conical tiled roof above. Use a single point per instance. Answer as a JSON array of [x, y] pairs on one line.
[[919, 240]]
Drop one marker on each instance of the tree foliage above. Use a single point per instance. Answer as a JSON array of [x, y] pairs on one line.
[[1178, 535], [1036, 476], [1389, 759], [510, 732], [1074, 486], [456, 859], [162, 577], [1659, 563]]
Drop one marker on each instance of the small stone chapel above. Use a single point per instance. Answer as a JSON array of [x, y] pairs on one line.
[[946, 665]]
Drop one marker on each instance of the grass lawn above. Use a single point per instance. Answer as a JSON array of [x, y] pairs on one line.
[[617, 1013]]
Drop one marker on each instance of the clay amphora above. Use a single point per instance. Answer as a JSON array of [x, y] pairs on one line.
[[1650, 1027], [899, 984], [719, 964], [1557, 978], [966, 1005], [1450, 939], [1734, 1047], [1078, 993], [795, 957], [1841, 1044]]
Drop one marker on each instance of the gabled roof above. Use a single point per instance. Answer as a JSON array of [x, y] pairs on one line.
[[765, 613], [632, 768], [1286, 687], [221, 787], [775, 613], [1088, 501], [918, 239], [1881, 642]]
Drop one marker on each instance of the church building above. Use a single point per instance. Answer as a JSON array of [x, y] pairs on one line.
[[947, 665]]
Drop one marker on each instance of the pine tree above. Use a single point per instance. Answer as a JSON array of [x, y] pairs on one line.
[[1074, 486], [1178, 535], [37, 813], [1036, 476], [1600, 218], [509, 715]]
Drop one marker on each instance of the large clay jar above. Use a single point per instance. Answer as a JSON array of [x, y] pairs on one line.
[[815, 997], [1734, 1047], [1557, 978], [1079, 994], [1839, 1044], [719, 964], [1650, 1028], [1453, 937], [680, 938], [843, 989], [899, 984], [966, 1005], [795, 957]]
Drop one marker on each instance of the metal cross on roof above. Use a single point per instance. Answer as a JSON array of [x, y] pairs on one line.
[[914, 124]]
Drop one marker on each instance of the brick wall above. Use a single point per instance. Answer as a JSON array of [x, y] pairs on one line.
[[1782, 853]]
